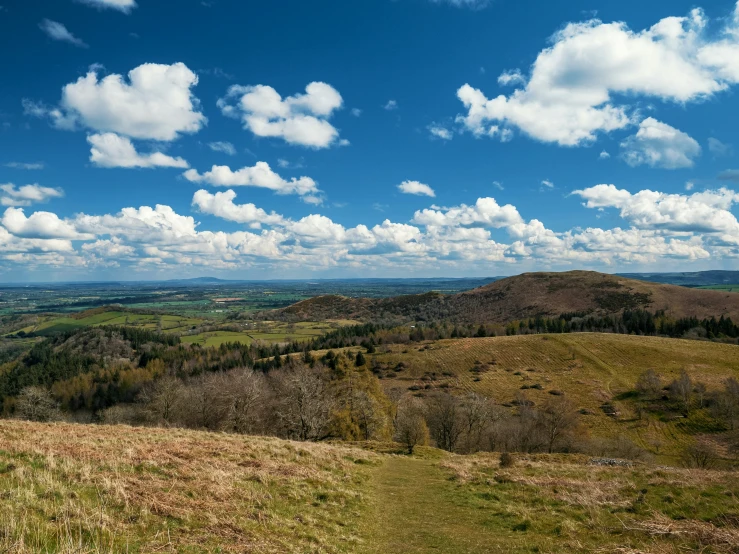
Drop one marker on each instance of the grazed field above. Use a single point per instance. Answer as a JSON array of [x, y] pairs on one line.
[[592, 369]]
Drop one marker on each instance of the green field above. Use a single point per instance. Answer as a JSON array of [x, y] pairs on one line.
[[168, 323], [267, 332], [216, 338], [727, 288], [214, 331]]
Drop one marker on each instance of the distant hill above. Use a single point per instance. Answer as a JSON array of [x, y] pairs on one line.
[[524, 296], [688, 279], [200, 281]]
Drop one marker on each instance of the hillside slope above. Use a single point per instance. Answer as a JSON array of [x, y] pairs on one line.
[[592, 369], [69, 489], [528, 295], [106, 489]]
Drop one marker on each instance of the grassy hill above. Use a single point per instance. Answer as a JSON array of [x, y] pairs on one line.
[[96, 489], [592, 369], [528, 295]]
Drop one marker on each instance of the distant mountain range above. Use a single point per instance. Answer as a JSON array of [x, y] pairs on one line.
[[685, 279]]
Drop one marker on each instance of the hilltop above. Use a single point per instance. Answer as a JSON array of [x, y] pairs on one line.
[[525, 296]]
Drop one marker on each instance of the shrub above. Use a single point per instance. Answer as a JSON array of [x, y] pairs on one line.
[[507, 460]]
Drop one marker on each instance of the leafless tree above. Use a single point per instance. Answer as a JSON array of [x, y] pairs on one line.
[[702, 455], [305, 402], [649, 383], [444, 420], [37, 404], [726, 405], [682, 391], [205, 402], [700, 391], [369, 414], [410, 426], [162, 399], [477, 414], [247, 396], [556, 419]]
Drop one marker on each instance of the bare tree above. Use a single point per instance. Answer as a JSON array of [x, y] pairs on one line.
[[700, 391], [205, 402], [410, 426], [247, 394], [726, 406], [649, 383], [682, 391], [37, 404], [557, 418], [525, 430], [305, 402], [477, 413], [444, 420], [702, 455], [162, 399]]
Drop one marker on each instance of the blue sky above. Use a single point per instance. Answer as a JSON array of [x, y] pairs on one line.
[[377, 138]]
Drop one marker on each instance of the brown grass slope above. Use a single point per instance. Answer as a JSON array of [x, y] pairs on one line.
[[551, 294], [528, 295], [592, 369], [103, 489]]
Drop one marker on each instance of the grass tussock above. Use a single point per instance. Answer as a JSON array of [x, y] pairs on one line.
[[71, 488]]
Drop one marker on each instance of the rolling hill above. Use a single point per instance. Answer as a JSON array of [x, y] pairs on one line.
[[593, 369], [527, 295]]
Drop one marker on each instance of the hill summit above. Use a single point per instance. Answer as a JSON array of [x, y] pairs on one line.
[[528, 295]]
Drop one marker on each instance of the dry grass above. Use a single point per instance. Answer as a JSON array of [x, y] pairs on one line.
[[591, 368], [70, 488], [587, 508], [95, 489]]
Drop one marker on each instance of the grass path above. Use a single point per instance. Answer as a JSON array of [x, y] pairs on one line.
[[418, 509]]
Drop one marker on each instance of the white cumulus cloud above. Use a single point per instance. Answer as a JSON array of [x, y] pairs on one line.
[[441, 132], [572, 92], [39, 225], [10, 195], [154, 103], [657, 144], [111, 150], [260, 175], [302, 119], [222, 146], [707, 212], [414, 187], [221, 204]]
